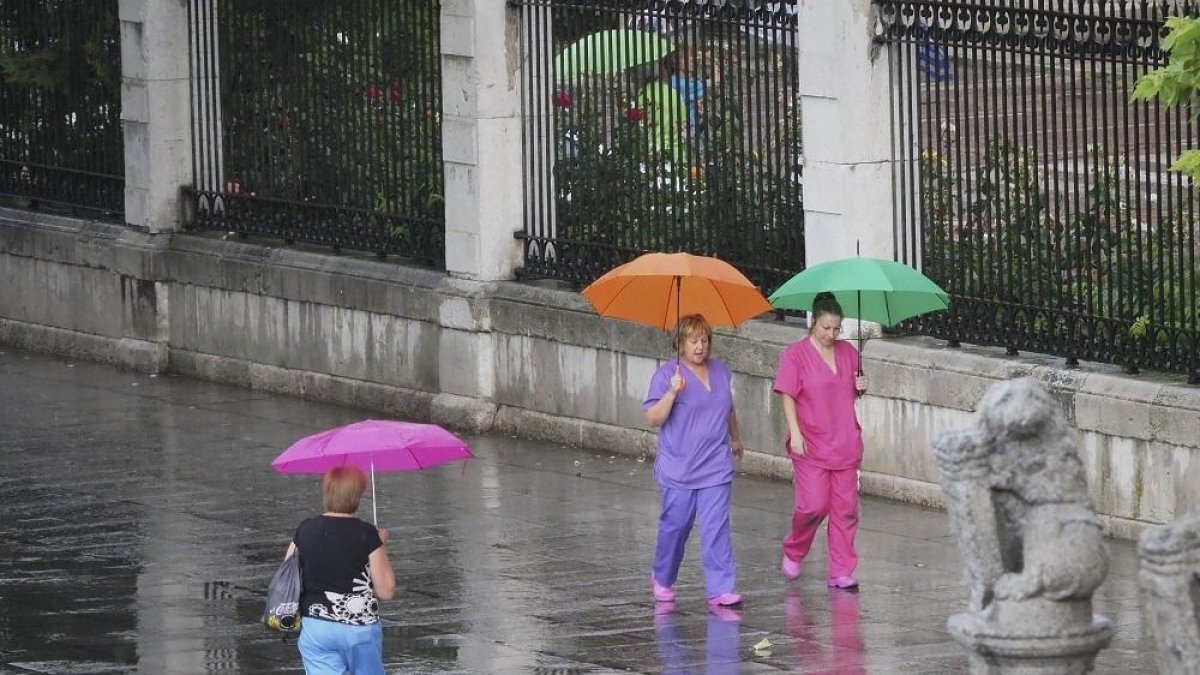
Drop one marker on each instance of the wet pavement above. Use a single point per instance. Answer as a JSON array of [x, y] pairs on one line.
[[140, 523]]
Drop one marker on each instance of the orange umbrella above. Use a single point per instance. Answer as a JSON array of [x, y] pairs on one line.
[[656, 288]]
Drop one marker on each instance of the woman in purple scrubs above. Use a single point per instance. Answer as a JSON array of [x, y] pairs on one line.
[[691, 402]]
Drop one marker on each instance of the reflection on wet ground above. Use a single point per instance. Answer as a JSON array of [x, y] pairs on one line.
[[141, 522]]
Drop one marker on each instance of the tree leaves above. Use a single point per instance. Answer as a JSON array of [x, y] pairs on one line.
[[1176, 83]]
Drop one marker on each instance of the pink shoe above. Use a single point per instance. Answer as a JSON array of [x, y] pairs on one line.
[[790, 568], [725, 600], [662, 593], [843, 582]]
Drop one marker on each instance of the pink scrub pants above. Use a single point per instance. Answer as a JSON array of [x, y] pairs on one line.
[[820, 493]]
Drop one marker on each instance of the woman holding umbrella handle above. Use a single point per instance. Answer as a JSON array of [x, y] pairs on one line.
[[818, 380], [691, 402]]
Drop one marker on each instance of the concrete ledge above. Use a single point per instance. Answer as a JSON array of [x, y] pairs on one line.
[[352, 281], [1123, 528], [139, 355], [396, 401], [902, 489], [463, 412], [765, 465], [609, 438]]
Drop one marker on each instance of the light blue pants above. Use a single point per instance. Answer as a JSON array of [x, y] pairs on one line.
[[332, 648], [681, 508]]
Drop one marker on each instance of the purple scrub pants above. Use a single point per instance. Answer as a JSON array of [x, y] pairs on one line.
[[680, 508]]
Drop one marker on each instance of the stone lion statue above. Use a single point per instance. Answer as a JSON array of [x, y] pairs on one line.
[[1055, 546], [1016, 491]]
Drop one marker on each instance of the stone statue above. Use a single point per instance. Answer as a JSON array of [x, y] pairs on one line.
[[1169, 580], [1032, 546]]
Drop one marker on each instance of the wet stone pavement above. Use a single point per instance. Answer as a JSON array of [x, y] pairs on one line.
[[140, 523]]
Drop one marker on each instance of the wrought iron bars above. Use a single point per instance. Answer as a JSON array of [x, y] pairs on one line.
[[320, 122], [60, 105], [669, 126], [1033, 190]]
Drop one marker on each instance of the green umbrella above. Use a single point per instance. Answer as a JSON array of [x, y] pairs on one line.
[[883, 291], [609, 52]]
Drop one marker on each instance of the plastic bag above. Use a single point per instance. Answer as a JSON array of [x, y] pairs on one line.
[[283, 597]]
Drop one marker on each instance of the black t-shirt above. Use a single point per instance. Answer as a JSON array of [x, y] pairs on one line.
[[336, 573]]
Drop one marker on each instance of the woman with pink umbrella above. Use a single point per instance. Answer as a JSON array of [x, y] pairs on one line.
[[343, 560], [346, 572]]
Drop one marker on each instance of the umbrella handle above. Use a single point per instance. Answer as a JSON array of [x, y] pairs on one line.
[[374, 504], [678, 302]]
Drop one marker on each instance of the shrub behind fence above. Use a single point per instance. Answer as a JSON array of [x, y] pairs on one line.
[[664, 126], [60, 105], [1034, 191], [319, 121]]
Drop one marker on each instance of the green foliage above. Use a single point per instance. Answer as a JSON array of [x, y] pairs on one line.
[[60, 84], [327, 105], [1176, 83], [992, 236], [727, 188]]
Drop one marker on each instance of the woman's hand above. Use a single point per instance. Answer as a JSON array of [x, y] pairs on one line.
[[738, 448], [861, 383], [383, 534], [677, 381], [657, 414], [796, 443]]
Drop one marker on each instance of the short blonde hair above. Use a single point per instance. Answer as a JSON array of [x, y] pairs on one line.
[[342, 489], [690, 326]]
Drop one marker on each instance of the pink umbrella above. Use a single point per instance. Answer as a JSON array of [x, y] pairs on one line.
[[374, 445]]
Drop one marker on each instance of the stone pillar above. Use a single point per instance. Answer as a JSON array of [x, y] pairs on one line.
[[155, 111], [847, 124], [1169, 579], [845, 98], [481, 137]]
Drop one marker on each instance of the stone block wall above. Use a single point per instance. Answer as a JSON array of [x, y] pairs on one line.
[[533, 361]]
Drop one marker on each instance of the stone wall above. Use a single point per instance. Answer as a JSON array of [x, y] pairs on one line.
[[533, 361]]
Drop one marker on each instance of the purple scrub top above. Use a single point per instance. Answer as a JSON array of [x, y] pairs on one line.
[[693, 444]]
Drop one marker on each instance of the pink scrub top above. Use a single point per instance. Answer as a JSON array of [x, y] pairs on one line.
[[824, 403], [693, 444]]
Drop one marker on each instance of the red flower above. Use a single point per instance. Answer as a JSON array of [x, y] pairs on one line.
[[635, 115], [372, 92], [562, 99], [396, 91]]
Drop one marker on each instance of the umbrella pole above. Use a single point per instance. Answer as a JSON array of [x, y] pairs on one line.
[[678, 302], [860, 337], [858, 252], [374, 506]]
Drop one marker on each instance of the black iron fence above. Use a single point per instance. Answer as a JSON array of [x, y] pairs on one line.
[[665, 126], [319, 121], [60, 105], [1031, 187]]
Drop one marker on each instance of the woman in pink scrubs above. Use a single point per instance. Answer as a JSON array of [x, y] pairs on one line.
[[818, 380], [691, 402]]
